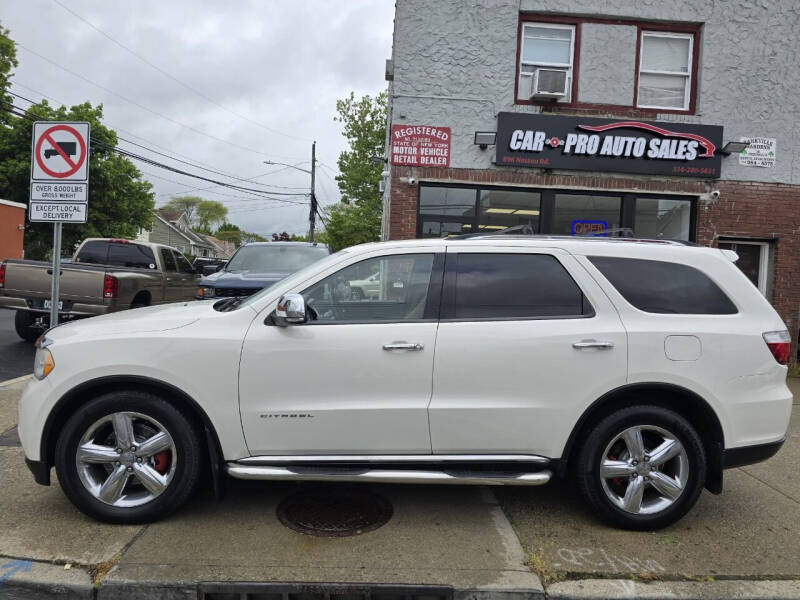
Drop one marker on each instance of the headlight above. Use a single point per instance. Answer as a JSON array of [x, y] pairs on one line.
[[43, 362], [204, 292]]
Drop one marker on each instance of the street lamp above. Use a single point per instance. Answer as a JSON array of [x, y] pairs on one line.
[[312, 214]]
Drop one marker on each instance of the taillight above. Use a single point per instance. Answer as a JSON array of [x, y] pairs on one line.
[[2, 274], [110, 286], [780, 344]]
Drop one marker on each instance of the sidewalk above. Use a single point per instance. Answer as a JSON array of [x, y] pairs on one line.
[[439, 535]]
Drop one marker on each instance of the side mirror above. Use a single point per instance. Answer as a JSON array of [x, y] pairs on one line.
[[210, 269], [291, 309]]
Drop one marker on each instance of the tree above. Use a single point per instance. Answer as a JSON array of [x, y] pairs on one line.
[[120, 201], [281, 237], [357, 218], [229, 232], [8, 60], [179, 205], [210, 213]]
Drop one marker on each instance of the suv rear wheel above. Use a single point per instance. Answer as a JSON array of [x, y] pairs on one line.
[[642, 467], [128, 457]]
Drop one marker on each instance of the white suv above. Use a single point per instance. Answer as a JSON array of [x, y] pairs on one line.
[[641, 369]]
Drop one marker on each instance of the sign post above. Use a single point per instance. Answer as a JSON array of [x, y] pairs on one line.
[[59, 185]]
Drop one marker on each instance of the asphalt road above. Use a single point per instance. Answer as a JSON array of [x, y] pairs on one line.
[[16, 356]]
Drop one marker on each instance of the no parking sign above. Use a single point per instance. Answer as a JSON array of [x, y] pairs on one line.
[[59, 172]]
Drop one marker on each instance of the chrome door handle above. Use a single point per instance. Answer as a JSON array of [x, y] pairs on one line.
[[592, 344], [403, 346]]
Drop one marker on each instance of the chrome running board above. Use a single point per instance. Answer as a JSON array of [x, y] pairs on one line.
[[394, 459], [382, 475]]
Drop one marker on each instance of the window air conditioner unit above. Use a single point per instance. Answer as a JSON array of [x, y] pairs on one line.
[[549, 83]]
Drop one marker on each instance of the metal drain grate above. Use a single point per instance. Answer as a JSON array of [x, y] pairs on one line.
[[320, 591], [10, 437], [334, 511]]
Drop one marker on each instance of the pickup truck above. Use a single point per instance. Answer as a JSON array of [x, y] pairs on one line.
[[105, 275]]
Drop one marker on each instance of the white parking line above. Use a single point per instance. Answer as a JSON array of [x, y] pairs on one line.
[[16, 380]]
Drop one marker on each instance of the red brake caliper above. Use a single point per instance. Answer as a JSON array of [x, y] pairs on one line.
[[615, 480], [161, 461]]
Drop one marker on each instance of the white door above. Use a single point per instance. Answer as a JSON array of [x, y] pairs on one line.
[[527, 341], [356, 378]]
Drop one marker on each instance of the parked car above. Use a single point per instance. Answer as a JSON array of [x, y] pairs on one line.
[[640, 369], [207, 266], [258, 265], [365, 288], [105, 275]]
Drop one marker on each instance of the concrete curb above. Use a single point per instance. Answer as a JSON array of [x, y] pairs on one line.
[[612, 589], [23, 579]]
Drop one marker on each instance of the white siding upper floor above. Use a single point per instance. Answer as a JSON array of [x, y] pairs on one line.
[[456, 63]]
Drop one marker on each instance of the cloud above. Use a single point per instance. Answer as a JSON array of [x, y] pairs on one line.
[[282, 64]]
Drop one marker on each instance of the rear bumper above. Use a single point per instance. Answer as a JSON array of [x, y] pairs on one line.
[[748, 455], [78, 309]]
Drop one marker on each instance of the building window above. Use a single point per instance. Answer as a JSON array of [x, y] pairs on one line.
[[546, 57], [662, 218], [580, 214], [753, 260], [665, 70], [500, 209]]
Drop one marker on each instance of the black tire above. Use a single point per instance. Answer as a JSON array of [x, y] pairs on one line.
[[184, 434], [591, 454], [23, 323]]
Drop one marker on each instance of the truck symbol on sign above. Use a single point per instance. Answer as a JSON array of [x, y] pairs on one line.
[[68, 148]]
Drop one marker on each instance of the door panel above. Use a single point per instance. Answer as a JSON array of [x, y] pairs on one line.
[[329, 386], [518, 385]]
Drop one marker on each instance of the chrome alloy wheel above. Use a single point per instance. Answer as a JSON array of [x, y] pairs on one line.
[[126, 459], [644, 469]]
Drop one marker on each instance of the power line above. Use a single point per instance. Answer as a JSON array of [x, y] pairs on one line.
[[175, 79], [22, 113], [137, 104], [214, 171]]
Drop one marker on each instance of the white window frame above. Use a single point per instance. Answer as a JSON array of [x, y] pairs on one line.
[[687, 96], [763, 259], [570, 67]]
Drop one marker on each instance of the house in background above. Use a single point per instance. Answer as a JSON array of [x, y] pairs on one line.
[[178, 235], [12, 229]]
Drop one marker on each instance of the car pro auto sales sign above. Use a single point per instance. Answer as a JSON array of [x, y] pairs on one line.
[[420, 146], [618, 145]]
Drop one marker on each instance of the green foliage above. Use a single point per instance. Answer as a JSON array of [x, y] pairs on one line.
[[248, 238], [179, 205], [8, 60], [357, 218], [120, 201], [233, 233], [209, 214]]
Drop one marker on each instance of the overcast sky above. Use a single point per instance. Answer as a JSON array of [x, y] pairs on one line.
[[271, 72]]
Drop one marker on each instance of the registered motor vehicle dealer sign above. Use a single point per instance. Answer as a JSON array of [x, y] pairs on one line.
[[59, 172]]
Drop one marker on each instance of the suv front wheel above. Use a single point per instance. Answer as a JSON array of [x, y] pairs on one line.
[[642, 467], [128, 457]]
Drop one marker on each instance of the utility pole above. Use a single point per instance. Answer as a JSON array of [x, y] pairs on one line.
[[312, 217]]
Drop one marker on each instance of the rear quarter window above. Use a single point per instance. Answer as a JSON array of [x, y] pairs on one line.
[[657, 286]]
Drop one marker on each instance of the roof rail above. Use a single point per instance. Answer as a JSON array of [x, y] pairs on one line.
[[626, 234]]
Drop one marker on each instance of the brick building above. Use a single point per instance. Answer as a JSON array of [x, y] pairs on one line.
[[12, 229], [602, 117]]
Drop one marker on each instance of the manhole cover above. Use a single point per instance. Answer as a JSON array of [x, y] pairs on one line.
[[334, 511]]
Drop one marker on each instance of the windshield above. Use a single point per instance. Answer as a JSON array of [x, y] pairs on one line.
[[298, 276], [275, 259]]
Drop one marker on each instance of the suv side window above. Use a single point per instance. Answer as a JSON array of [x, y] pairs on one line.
[[130, 255], [404, 291], [657, 286], [511, 286], [169, 260]]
